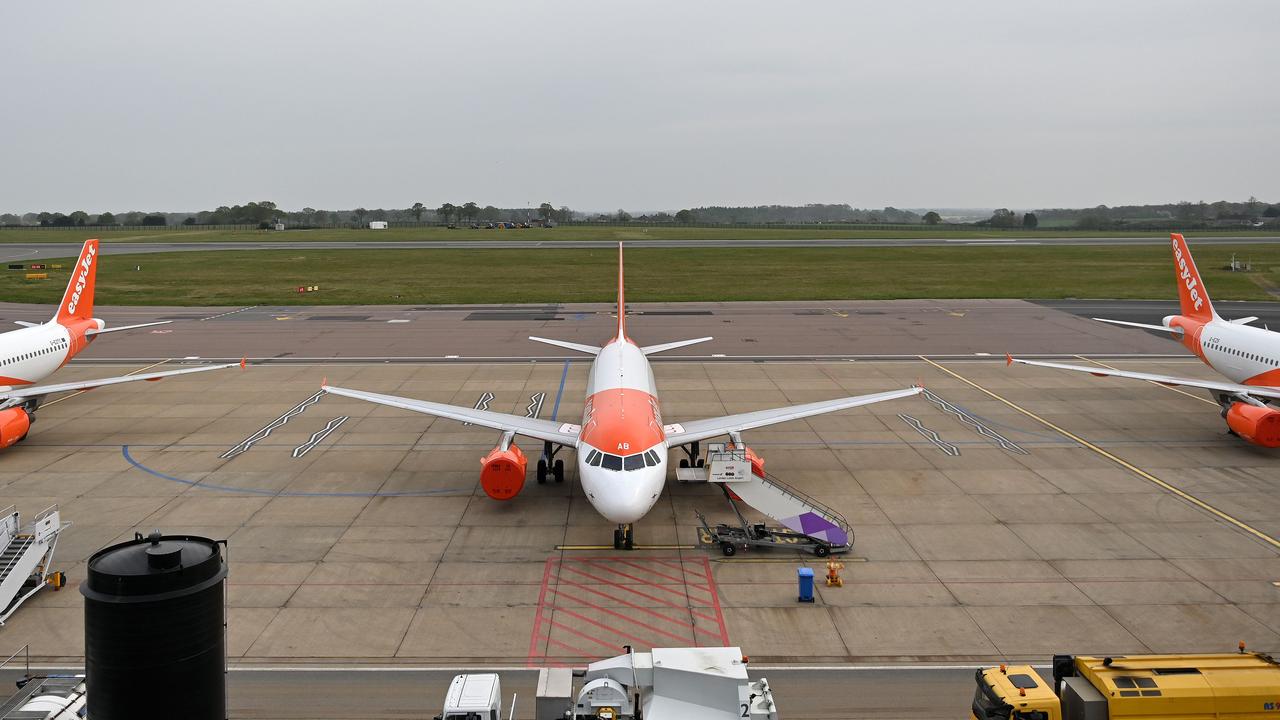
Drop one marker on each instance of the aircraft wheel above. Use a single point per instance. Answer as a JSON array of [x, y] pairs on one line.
[[702, 462], [728, 549], [821, 550], [542, 472], [684, 462], [558, 471]]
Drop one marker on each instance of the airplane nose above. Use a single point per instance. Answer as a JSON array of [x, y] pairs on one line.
[[623, 497]]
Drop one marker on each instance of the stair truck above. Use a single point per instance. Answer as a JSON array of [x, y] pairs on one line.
[[1241, 685]]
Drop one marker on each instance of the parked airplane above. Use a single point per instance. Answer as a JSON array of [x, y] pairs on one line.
[[1248, 356], [31, 354], [621, 442]]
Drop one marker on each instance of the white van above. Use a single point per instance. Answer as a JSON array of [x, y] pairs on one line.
[[377, 224], [473, 697]]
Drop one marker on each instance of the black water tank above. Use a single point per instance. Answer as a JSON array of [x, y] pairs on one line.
[[154, 629]]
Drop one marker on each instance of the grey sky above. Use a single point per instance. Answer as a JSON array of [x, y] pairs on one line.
[[645, 105]]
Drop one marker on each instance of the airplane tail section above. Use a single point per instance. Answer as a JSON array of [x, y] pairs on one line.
[[77, 301], [1191, 291], [622, 303]]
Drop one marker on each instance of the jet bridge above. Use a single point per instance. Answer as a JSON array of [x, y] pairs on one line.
[[742, 477], [25, 555]]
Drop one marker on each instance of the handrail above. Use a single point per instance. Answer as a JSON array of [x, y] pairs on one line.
[[827, 510], [45, 513], [27, 541]]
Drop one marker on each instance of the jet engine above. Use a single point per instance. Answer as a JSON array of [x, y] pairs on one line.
[[1258, 425], [14, 424], [502, 472]]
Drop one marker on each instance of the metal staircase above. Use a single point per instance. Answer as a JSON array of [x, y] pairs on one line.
[[25, 555], [798, 512]]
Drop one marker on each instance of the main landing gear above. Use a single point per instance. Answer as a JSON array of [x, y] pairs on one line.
[[624, 538], [693, 460], [548, 468]]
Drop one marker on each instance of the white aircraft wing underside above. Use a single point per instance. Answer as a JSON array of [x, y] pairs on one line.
[[681, 433], [549, 430], [38, 390], [1214, 385]]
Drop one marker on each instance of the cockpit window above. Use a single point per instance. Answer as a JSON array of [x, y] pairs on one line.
[[634, 462], [611, 462], [650, 458], [593, 458]]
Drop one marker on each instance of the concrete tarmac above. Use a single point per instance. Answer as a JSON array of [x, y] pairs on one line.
[[1038, 512], [35, 251]]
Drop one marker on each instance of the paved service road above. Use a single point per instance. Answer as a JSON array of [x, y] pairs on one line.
[[26, 252], [364, 694]]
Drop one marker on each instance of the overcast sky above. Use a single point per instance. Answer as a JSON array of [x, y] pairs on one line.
[[645, 105]]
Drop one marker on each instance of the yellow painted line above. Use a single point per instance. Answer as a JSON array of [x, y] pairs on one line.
[[81, 392], [1153, 382], [635, 547], [1122, 463]]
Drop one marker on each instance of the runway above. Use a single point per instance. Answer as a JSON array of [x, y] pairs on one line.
[[29, 252], [1043, 513]]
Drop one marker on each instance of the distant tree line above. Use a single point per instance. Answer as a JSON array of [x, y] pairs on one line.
[[264, 213]]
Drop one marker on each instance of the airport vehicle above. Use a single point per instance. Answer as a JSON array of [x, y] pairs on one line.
[[622, 441], [1249, 357], [26, 553], [475, 696], [38, 349], [706, 683], [1228, 685]]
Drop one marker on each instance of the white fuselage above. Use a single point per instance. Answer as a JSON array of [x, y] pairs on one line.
[[622, 449], [1245, 355], [31, 354]]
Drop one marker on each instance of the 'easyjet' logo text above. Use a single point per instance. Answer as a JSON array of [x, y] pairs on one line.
[[1184, 272], [85, 264]]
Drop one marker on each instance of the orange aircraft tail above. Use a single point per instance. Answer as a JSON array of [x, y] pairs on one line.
[[1191, 291], [77, 301]]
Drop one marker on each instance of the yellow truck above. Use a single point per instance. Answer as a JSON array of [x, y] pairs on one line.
[[1239, 686]]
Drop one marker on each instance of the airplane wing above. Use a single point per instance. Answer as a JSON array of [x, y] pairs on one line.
[[559, 433], [1144, 326], [104, 331], [1214, 385], [680, 433], [38, 390]]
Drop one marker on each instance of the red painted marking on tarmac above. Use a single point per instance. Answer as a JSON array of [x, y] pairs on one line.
[[537, 615], [641, 594], [715, 599], [620, 616], [614, 631], [582, 635], [642, 581], [631, 605]]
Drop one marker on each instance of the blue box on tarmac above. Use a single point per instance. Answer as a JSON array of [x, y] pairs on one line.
[[806, 584]]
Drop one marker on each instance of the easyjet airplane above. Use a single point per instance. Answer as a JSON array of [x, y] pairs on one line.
[[1247, 356], [31, 354], [622, 441]]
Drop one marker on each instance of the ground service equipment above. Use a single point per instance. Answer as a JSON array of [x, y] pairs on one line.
[[1225, 686]]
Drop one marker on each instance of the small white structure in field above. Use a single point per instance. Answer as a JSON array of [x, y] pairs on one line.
[[378, 225]]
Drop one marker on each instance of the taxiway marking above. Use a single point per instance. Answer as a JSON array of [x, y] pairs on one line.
[[230, 312], [319, 436], [81, 392], [482, 404], [930, 435], [249, 442], [1166, 387], [1117, 460]]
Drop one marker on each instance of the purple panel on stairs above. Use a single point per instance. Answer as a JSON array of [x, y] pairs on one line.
[[813, 524]]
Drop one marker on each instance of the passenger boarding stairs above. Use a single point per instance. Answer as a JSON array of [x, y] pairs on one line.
[[730, 466], [25, 554]]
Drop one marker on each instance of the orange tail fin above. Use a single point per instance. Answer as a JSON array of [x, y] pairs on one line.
[[1191, 291], [77, 301], [622, 303]]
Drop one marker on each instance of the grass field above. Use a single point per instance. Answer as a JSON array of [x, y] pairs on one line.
[[687, 274], [575, 232]]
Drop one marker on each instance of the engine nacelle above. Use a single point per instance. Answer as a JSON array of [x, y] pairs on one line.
[[502, 472], [14, 424], [1258, 425]]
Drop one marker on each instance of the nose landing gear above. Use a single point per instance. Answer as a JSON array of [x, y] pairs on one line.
[[624, 537]]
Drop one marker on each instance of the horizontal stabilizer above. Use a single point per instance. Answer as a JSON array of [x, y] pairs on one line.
[[1144, 326], [1244, 320], [651, 349], [24, 323], [91, 331], [589, 349]]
